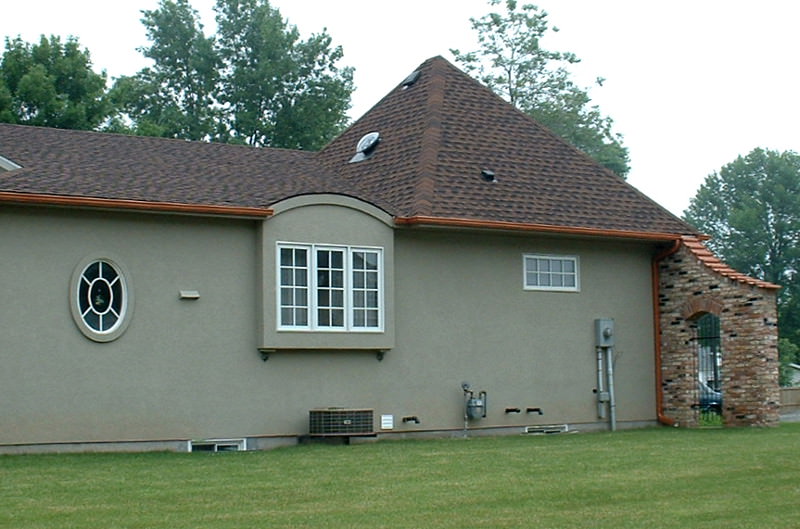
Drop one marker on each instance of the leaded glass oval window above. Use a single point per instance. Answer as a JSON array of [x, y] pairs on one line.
[[100, 299]]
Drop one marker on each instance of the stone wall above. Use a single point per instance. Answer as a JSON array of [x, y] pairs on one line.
[[693, 282]]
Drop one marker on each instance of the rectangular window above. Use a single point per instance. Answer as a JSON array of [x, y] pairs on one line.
[[326, 287], [551, 272]]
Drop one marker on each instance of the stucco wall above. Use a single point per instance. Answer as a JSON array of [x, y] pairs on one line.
[[463, 315], [177, 371], [190, 369], [749, 341]]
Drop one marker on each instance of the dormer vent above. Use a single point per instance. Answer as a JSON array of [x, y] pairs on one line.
[[366, 146], [488, 176], [411, 79]]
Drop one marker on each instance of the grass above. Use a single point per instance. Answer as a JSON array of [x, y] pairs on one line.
[[654, 478]]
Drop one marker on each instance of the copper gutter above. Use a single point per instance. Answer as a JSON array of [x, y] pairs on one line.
[[663, 419], [522, 226], [135, 205]]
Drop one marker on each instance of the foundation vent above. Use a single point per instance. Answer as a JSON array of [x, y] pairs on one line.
[[547, 429]]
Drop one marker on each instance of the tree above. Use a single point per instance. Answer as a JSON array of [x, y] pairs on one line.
[[254, 82], [512, 62], [176, 96], [51, 84], [751, 209]]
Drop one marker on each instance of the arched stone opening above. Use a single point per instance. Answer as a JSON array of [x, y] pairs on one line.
[[691, 284]]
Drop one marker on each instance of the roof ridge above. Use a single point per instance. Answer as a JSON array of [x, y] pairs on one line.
[[716, 265], [425, 185]]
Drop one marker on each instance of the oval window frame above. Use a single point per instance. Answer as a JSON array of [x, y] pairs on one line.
[[126, 311]]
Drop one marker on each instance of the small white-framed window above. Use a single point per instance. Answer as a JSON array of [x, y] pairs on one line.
[[551, 272], [323, 287], [101, 298]]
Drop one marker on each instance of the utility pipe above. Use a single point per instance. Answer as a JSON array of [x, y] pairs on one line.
[[663, 419], [601, 404], [612, 401]]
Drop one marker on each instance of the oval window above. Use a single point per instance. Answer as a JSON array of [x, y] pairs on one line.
[[100, 299]]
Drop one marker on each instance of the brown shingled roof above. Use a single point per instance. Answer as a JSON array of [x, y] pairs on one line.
[[441, 131], [72, 163], [437, 134]]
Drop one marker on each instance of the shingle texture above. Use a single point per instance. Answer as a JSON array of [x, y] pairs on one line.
[[437, 134]]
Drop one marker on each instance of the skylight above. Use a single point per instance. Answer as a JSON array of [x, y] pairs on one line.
[[366, 146]]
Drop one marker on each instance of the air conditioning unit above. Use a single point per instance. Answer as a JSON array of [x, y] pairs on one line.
[[340, 422]]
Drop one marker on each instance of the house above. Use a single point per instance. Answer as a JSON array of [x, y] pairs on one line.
[[446, 266]]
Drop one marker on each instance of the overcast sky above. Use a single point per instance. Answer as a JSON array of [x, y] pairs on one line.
[[690, 84]]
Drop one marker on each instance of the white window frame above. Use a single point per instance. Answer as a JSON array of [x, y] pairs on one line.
[[313, 288], [83, 309], [551, 259]]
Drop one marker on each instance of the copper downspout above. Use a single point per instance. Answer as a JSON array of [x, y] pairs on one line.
[[663, 419]]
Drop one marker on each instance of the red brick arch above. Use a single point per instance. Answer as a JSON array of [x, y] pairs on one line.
[[700, 305]]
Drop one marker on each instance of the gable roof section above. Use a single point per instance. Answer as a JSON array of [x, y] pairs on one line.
[[441, 131]]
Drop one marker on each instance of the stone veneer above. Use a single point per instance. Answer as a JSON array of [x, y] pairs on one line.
[[693, 282]]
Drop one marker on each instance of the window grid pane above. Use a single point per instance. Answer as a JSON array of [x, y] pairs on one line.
[[293, 287], [366, 310], [551, 273], [329, 287]]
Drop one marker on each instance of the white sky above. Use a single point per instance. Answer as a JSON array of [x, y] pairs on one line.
[[690, 84]]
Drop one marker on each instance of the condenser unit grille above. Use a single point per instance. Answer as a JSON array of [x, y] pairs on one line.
[[340, 421]]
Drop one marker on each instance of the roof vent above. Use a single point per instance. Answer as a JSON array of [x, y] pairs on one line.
[[411, 79], [8, 165], [366, 146], [488, 176]]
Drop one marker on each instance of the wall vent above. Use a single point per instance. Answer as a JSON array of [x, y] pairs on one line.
[[340, 421], [547, 429]]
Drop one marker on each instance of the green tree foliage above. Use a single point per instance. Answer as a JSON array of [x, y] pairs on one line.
[[51, 84], [254, 82], [512, 62], [751, 209], [175, 96]]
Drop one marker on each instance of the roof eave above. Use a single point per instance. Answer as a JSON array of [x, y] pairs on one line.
[[532, 227], [40, 199]]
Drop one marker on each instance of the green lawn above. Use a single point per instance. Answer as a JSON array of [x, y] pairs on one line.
[[656, 478]]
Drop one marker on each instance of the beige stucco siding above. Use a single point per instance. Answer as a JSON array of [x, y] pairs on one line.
[[463, 315], [186, 369], [178, 370]]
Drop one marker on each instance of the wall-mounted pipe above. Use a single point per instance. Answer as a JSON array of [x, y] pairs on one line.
[[663, 419], [601, 385], [612, 401]]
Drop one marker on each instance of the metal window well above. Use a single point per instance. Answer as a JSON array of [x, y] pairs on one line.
[[340, 421]]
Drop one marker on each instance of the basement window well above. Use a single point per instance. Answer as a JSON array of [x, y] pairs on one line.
[[218, 445]]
